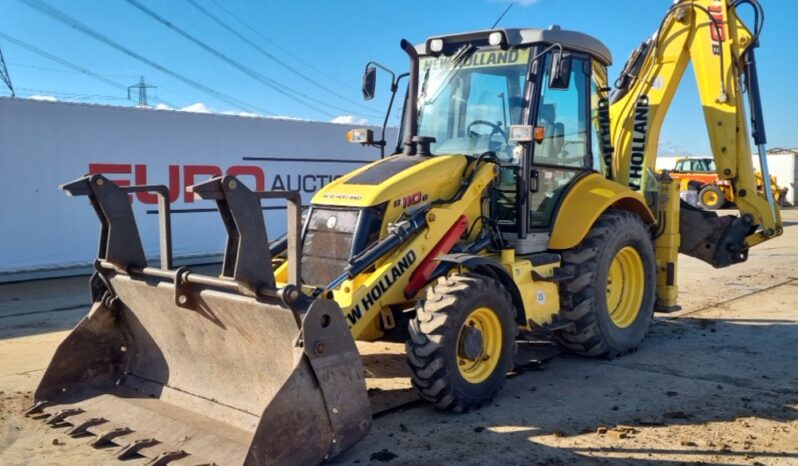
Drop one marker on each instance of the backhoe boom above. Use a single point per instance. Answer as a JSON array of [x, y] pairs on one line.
[[710, 35]]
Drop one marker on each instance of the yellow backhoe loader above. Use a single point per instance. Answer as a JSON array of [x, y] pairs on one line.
[[521, 196]]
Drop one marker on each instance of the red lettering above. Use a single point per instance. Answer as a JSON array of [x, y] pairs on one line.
[[413, 199], [190, 173], [717, 28], [112, 169], [248, 170], [140, 173]]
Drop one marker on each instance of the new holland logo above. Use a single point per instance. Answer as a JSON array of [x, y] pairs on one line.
[[604, 134], [378, 290], [481, 59], [639, 143]]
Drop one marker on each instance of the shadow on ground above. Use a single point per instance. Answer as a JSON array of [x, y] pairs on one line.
[[694, 387]]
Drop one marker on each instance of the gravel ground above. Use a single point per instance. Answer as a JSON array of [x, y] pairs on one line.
[[716, 383]]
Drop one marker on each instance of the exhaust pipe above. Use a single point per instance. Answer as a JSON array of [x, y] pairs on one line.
[[411, 106]]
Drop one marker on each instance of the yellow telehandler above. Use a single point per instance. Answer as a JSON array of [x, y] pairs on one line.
[[521, 196]]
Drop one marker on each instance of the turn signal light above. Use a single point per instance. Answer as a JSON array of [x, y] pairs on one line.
[[540, 134], [360, 136]]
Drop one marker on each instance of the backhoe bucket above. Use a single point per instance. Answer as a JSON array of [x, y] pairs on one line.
[[184, 368]]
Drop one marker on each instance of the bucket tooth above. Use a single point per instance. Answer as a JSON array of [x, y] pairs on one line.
[[37, 408], [133, 448], [79, 427], [171, 457], [191, 461], [61, 415], [109, 435]]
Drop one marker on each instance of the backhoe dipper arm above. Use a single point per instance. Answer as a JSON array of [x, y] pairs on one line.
[[709, 34]]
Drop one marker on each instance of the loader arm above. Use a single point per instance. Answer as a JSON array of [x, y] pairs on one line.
[[710, 35]]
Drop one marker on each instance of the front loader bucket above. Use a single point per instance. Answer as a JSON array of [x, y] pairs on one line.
[[190, 369]]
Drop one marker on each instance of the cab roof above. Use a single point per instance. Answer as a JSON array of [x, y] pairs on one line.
[[514, 37]]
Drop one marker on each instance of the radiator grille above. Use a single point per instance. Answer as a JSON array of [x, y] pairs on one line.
[[327, 244]]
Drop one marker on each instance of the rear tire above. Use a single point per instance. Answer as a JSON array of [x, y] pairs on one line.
[[462, 342], [610, 299], [711, 198]]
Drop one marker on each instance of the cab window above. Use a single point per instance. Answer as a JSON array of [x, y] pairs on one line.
[[565, 116]]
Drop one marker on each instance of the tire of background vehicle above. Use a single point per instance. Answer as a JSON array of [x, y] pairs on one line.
[[608, 320], [714, 199], [451, 365]]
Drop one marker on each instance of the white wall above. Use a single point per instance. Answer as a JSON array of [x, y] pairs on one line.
[[44, 144], [665, 162], [783, 166]]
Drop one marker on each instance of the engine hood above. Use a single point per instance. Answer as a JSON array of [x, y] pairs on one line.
[[399, 180]]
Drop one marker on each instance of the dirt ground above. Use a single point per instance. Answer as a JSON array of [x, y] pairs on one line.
[[716, 383]]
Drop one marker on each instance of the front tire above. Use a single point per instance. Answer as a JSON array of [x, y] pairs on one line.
[[462, 342], [610, 299]]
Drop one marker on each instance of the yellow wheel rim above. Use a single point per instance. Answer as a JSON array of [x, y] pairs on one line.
[[625, 287], [710, 198], [478, 368]]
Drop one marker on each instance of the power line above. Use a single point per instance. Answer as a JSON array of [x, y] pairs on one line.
[[260, 49], [4, 74], [276, 45], [63, 18], [243, 68], [59, 70], [67, 95], [67, 64], [282, 89], [61, 61]]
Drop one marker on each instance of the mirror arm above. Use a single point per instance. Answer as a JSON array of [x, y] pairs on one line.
[[394, 87], [547, 49], [377, 65]]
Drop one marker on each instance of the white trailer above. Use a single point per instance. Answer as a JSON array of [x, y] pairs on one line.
[[45, 144]]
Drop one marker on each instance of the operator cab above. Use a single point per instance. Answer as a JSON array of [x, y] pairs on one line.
[[532, 97]]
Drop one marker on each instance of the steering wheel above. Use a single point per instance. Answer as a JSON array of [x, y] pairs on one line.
[[495, 128]]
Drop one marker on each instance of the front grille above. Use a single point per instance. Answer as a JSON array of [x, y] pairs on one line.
[[327, 244]]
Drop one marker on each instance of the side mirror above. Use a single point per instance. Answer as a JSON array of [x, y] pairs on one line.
[[369, 82], [560, 71]]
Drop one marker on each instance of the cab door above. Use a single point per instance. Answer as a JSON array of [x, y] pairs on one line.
[[564, 111]]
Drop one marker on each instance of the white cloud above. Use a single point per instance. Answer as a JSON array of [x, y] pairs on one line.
[[669, 148], [349, 120], [162, 106], [198, 107], [46, 98], [243, 114]]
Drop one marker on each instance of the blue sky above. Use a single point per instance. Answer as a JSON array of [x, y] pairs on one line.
[[329, 42]]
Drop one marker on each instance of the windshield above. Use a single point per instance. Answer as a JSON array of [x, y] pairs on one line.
[[468, 100]]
